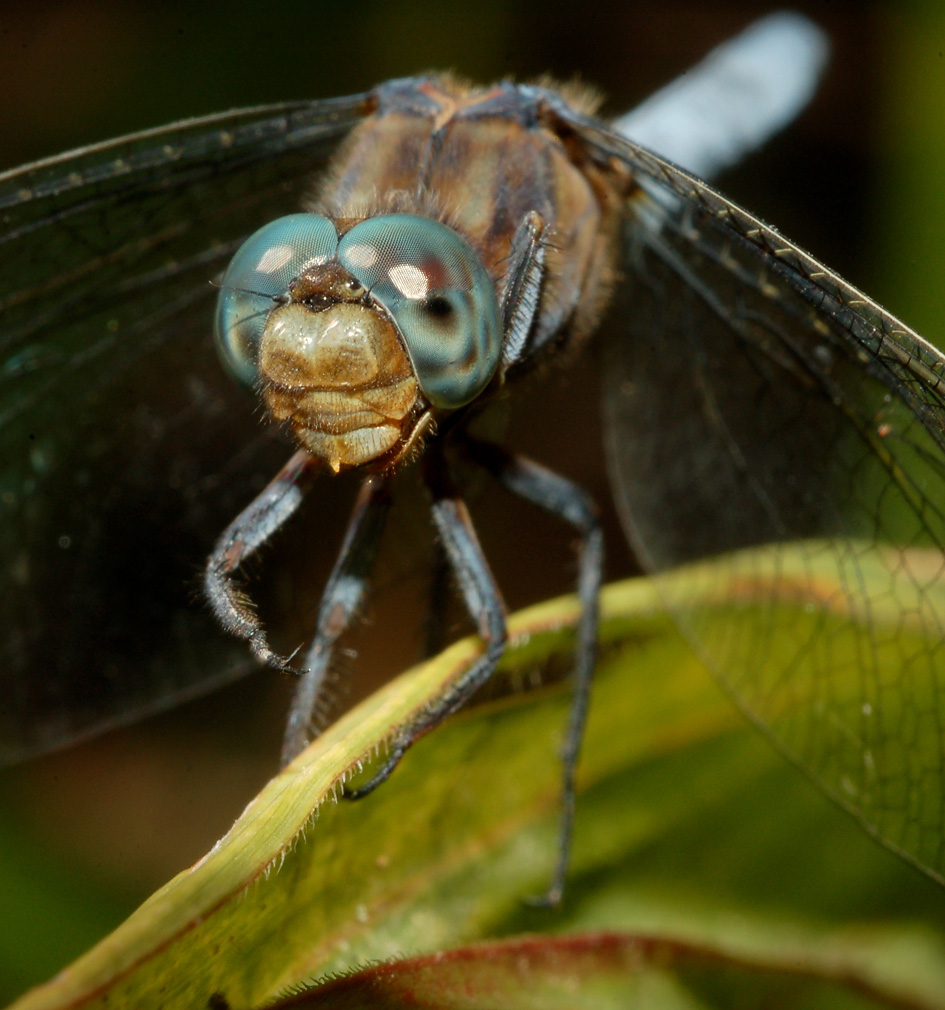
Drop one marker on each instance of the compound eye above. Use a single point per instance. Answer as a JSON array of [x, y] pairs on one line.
[[440, 296], [258, 279]]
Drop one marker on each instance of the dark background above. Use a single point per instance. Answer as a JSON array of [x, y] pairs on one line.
[[87, 834]]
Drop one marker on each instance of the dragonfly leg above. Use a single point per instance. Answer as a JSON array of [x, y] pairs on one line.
[[522, 288], [573, 505], [483, 602], [340, 601], [242, 538]]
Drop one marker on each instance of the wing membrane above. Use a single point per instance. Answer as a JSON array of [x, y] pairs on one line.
[[124, 451], [779, 433]]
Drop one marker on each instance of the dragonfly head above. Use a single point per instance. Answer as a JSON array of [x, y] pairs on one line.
[[357, 340]]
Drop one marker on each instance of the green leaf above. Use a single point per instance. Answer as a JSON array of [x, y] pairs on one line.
[[602, 970], [690, 830]]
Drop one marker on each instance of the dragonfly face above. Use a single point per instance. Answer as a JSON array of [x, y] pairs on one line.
[[753, 398]]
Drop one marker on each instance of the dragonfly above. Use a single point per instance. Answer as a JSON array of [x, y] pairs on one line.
[[386, 266]]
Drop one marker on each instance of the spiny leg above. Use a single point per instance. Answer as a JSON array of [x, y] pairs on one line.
[[572, 504], [339, 604], [522, 289], [242, 538], [483, 602]]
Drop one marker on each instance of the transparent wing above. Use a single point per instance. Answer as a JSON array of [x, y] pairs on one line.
[[764, 415], [123, 449]]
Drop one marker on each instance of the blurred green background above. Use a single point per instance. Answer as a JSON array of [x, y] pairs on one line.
[[87, 834]]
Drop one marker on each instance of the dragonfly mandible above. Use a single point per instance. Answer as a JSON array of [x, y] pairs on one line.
[[752, 398]]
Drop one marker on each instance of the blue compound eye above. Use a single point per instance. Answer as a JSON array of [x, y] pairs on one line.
[[260, 274], [435, 287]]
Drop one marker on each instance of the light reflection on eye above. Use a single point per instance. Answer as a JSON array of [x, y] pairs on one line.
[[409, 280], [274, 258], [361, 255]]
